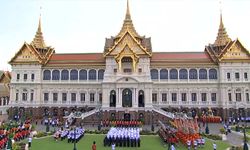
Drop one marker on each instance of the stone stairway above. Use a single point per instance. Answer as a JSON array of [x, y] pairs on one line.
[[160, 111]]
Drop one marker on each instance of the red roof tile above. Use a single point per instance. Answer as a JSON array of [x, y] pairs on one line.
[[77, 57], [181, 56]]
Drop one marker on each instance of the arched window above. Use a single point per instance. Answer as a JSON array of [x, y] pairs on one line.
[[164, 74], [112, 98], [55, 75], [83, 74], [202, 74], [46, 75], [183, 74], [173, 74], [192, 74], [154, 74], [74, 75], [212, 74], [65, 75], [100, 74], [92, 74], [141, 102]]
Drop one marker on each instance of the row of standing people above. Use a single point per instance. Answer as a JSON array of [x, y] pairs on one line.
[[73, 135], [123, 137], [121, 123], [195, 143]]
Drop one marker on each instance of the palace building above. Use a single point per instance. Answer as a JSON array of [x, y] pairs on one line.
[[4, 93], [130, 81]]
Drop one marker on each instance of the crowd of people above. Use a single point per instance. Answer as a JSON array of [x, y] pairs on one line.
[[21, 132], [72, 135], [123, 137], [51, 121], [17, 130]]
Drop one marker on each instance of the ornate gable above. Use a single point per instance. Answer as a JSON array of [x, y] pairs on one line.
[[26, 55], [235, 52], [35, 52], [127, 52], [224, 49], [127, 39], [5, 78]]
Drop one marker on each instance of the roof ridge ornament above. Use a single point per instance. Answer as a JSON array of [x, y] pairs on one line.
[[222, 37], [38, 40], [128, 24]]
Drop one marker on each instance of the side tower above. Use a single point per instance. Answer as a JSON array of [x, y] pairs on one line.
[[233, 60], [25, 85]]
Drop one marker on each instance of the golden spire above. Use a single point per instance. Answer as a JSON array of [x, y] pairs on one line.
[[128, 17], [222, 37], [128, 25], [38, 41]]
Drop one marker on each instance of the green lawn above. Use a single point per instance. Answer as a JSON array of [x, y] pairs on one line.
[[147, 143], [248, 131]]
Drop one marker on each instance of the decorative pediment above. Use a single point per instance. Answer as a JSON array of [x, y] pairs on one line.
[[235, 52], [35, 52], [126, 52], [26, 55], [5, 78], [127, 39]]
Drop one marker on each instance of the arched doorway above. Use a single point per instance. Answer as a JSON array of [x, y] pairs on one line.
[[112, 98], [55, 112], [194, 112], [46, 112], [127, 117], [126, 98], [141, 99]]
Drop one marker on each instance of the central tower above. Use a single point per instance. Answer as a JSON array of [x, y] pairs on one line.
[[127, 46]]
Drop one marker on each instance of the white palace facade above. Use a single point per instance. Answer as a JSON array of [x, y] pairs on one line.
[[129, 80]]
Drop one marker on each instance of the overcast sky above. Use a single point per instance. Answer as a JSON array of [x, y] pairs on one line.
[[81, 26]]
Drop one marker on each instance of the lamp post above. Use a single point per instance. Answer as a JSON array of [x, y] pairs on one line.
[[74, 139], [245, 146]]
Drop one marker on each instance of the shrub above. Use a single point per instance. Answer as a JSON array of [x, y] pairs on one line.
[[33, 127], [212, 136], [15, 146], [236, 148], [222, 131], [41, 134], [147, 132]]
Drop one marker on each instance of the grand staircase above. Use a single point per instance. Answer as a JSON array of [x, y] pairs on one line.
[[80, 115], [169, 114], [163, 112]]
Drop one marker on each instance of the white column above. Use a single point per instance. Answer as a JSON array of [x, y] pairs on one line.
[[105, 97], [148, 97], [119, 97]]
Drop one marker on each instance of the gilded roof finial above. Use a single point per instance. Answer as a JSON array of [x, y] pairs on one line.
[[38, 41], [222, 37], [128, 17], [128, 25]]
